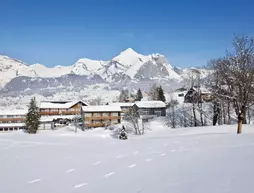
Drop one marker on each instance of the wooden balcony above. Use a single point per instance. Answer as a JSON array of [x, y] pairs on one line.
[[60, 112], [12, 119], [103, 118], [94, 125]]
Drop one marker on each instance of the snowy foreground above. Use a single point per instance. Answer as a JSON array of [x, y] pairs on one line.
[[191, 160]]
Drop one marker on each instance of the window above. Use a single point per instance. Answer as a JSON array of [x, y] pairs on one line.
[[97, 122], [157, 113], [87, 122], [97, 114], [114, 114], [10, 116], [105, 114], [144, 112], [88, 114], [53, 109]]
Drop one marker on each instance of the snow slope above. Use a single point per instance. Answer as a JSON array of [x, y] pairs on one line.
[[86, 66], [43, 71], [11, 68], [129, 57], [190, 160]]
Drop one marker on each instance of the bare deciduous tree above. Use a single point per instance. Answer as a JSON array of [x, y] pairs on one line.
[[96, 101], [172, 114], [233, 77], [133, 117]]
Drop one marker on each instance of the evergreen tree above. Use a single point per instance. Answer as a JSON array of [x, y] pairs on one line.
[[139, 95], [161, 96], [32, 120]]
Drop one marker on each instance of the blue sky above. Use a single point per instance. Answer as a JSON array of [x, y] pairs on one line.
[[55, 32]]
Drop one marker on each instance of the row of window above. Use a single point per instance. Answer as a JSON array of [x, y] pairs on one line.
[[54, 110], [101, 114], [11, 121], [101, 121], [12, 116], [146, 112]]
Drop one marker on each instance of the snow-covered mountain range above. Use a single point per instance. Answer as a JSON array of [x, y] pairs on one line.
[[126, 69]]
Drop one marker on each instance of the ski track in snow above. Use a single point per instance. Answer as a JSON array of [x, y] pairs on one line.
[[80, 185], [132, 166], [109, 174], [96, 163], [70, 170], [34, 181]]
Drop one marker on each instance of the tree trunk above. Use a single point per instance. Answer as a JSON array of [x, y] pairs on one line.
[[228, 112], [215, 113], [219, 114], [194, 115], [184, 119], [249, 116], [240, 120], [201, 113], [173, 117], [223, 113]]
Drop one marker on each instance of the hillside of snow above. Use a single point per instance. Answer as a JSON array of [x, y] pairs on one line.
[[189, 160], [11, 68], [43, 71]]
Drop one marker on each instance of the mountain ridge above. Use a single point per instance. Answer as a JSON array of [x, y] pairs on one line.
[[124, 69]]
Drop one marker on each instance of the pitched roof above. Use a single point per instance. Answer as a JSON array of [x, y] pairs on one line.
[[150, 104], [54, 105], [122, 104], [101, 108]]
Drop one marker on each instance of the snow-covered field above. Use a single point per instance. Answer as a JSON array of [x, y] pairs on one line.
[[191, 160]]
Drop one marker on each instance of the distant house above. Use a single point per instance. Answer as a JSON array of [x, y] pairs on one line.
[[100, 116], [57, 108], [195, 95], [12, 120], [150, 109]]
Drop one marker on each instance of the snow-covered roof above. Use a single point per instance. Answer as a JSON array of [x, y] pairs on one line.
[[101, 108], [122, 104], [150, 104], [4, 125], [13, 112], [50, 105]]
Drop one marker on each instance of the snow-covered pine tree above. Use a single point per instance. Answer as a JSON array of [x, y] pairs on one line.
[[139, 95], [161, 96], [32, 120]]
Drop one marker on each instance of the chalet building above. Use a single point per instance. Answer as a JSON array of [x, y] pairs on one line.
[[12, 120], [58, 108], [195, 95], [150, 109], [99, 116]]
